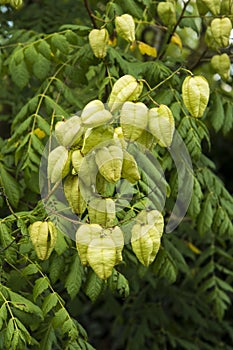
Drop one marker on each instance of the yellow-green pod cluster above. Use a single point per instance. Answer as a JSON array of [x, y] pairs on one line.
[[126, 88], [125, 27], [195, 94], [43, 236], [98, 39]]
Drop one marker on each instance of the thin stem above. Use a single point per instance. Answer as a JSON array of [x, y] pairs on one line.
[[90, 13]]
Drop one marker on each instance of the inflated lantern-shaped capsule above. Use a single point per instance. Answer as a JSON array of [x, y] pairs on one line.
[[98, 39]]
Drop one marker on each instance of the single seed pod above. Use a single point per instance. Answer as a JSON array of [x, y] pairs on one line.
[[221, 64], [102, 211], [73, 195], [151, 217], [129, 168], [167, 13], [94, 114], [98, 39], [218, 33], [125, 27], [77, 159], [43, 236], [195, 94], [145, 241], [101, 255], [127, 88], [84, 236], [93, 137], [109, 161], [69, 132], [118, 239], [58, 164], [133, 119], [161, 125]]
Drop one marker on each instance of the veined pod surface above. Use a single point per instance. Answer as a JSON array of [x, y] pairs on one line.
[[218, 33], [95, 136], [73, 195], [98, 39], [69, 132], [133, 119], [101, 256], [88, 171], [212, 5], [195, 94], [43, 236], [129, 168], [153, 218], [125, 27], [94, 114], [84, 236], [76, 159], [145, 241], [58, 161], [221, 64], [167, 13], [109, 161], [161, 125], [118, 239], [127, 88], [102, 211]]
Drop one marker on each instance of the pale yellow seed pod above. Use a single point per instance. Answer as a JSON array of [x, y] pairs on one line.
[[195, 94], [126, 88], [221, 64], [133, 119], [109, 161], [77, 159], [212, 5], [73, 195], [125, 27], [58, 164], [43, 236], [101, 255], [102, 211], [94, 114], [151, 217], [218, 33], [130, 170], [161, 125], [69, 132], [118, 239], [167, 13], [84, 236], [98, 39]]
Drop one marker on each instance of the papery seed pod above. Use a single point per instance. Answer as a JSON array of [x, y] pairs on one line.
[[161, 125], [101, 255], [147, 139], [125, 27], [73, 195], [98, 39], [221, 64], [58, 164], [84, 236], [151, 217], [77, 159], [218, 33], [133, 119], [167, 13], [195, 94], [95, 136], [145, 241], [129, 168], [43, 236], [102, 211], [69, 132], [127, 88], [94, 114], [109, 161], [88, 171], [212, 5], [118, 239]]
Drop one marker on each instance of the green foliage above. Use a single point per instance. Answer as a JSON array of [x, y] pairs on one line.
[[48, 72]]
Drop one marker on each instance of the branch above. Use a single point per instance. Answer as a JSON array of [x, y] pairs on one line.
[[90, 13]]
